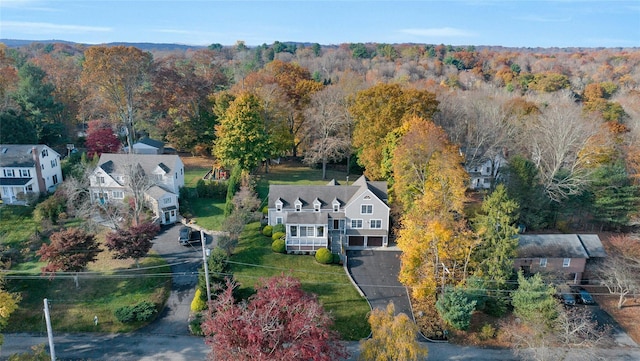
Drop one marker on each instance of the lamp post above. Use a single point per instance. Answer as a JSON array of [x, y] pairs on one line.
[[205, 254]]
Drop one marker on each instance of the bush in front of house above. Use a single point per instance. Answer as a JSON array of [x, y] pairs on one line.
[[277, 235], [267, 231], [140, 312], [278, 246], [279, 228], [198, 304], [324, 256]]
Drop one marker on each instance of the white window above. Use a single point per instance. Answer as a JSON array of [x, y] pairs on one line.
[[279, 220], [167, 200], [24, 173], [45, 153], [118, 194], [376, 223], [320, 231], [100, 180], [54, 163], [293, 231], [55, 179], [158, 177], [336, 207], [278, 207], [366, 209], [543, 262], [30, 188], [316, 206], [9, 173], [356, 223], [566, 262], [298, 207], [306, 231]]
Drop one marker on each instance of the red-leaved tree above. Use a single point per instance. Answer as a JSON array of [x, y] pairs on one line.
[[101, 139], [70, 250], [134, 242], [279, 322]]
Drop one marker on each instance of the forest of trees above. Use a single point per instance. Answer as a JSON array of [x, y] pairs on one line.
[[566, 120]]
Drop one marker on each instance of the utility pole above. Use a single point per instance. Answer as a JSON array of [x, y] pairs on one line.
[[47, 318], [206, 266]]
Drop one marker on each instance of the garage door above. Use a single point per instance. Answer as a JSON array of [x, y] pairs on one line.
[[374, 242], [356, 241]]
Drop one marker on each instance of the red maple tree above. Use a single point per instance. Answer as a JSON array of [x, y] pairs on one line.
[[279, 322], [101, 139], [133, 242]]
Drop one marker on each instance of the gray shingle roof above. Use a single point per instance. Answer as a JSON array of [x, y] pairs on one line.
[[115, 163], [324, 193], [592, 245], [19, 155], [550, 246]]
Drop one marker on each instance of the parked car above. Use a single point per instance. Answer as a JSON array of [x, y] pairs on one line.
[[188, 236], [184, 235], [568, 298], [585, 297]]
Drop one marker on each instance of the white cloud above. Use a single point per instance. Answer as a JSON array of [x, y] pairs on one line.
[[48, 28], [438, 32]]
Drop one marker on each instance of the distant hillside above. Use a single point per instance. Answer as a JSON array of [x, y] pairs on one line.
[[16, 43]]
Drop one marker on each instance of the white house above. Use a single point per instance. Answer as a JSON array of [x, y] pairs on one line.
[[334, 216], [484, 172], [28, 168], [161, 177], [147, 145]]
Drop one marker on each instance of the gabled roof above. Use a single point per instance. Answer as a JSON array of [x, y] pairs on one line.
[[151, 142], [326, 194], [19, 155], [592, 245], [550, 246], [116, 163], [156, 192]]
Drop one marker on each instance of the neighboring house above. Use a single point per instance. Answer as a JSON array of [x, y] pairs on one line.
[[334, 216], [163, 178], [28, 168], [564, 254], [485, 171], [146, 145]]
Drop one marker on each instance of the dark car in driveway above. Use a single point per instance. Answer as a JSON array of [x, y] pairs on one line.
[[585, 297], [568, 299], [187, 236]]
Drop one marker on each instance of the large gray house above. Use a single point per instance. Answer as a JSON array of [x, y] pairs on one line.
[[334, 216]]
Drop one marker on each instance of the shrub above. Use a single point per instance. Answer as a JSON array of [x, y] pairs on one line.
[[487, 332], [278, 246], [140, 312], [324, 256], [279, 228], [265, 210], [277, 235], [198, 304], [267, 231], [195, 325]]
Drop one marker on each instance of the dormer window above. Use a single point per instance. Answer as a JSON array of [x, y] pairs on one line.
[[298, 205], [316, 205], [336, 205], [279, 205]]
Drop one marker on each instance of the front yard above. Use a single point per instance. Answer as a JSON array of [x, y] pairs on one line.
[[253, 259]]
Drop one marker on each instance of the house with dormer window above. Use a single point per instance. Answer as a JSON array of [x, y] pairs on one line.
[[333, 216], [28, 169], [160, 176]]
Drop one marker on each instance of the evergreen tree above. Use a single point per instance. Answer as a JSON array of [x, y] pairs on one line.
[[455, 307]]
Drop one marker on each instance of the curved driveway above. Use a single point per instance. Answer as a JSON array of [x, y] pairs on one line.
[[376, 273]]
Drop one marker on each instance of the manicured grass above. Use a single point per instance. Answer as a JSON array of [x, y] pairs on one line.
[[16, 225], [100, 294], [193, 174], [209, 213], [253, 259]]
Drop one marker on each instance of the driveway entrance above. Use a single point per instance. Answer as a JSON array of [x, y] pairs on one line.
[[376, 273]]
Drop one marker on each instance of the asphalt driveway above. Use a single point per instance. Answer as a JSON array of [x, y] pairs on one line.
[[376, 273], [184, 261]]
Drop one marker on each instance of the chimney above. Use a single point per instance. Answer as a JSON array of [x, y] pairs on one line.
[[36, 159]]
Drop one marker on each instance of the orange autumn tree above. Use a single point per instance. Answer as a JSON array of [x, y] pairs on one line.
[[434, 237], [379, 110]]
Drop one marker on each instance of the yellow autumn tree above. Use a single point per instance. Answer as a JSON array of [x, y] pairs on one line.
[[429, 180], [378, 111], [393, 337]]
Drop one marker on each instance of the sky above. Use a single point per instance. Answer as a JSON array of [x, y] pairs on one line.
[[513, 23]]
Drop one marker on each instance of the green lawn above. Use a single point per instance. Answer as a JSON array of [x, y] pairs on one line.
[[253, 259], [72, 310], [16, 225]]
